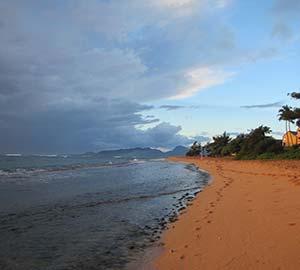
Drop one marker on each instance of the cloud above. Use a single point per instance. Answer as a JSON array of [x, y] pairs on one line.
[[171, 107], [286, 18], [263, 106], [285, 7], [282, 31], [85, 50], [201, 78], [117, 20], [167, 135], [234, 133], [264, 54], [172, 3], [74, 76], [107, 124]]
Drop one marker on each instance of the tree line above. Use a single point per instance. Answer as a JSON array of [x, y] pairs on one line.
[[257, 144]]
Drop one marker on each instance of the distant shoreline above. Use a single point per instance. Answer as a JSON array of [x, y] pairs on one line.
[[248, 218]]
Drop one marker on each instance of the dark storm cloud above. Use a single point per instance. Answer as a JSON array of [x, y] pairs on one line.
[[67, 72], [71, 128], [107, 124], [85, 49]]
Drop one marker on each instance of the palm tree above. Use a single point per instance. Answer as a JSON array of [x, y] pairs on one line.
[[288, 115], [218, 144]]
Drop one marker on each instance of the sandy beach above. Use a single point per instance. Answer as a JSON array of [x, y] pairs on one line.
[[247, 218]]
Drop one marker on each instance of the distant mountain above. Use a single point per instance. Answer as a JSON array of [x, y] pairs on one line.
[[139, 153], [177, 151]]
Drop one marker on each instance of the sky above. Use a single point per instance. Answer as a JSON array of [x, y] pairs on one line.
[[79, 76]]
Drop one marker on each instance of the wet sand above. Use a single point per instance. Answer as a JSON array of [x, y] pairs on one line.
[[247, 218]]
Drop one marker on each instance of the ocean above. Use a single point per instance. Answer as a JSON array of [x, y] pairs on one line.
[[74, 212]]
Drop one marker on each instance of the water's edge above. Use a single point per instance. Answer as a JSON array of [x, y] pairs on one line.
[[147, 258]]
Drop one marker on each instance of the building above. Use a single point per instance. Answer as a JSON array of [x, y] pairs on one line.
[[291, 138]]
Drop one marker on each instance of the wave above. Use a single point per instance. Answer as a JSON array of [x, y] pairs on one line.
[[23, 172], [13, 155]]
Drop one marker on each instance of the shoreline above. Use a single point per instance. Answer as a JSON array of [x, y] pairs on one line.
[[248, 217], [150, 254]]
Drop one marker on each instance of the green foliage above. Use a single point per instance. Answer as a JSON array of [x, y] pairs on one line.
[[234, 146], [267, 156], [195, 150], [216, 147], [286, 113], [292, 153], [257, 142], [295, 95], [297, 113], [290, 114]]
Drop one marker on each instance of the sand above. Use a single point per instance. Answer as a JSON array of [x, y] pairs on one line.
[[247, 218]]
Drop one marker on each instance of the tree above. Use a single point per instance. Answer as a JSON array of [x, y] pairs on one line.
[[219, 143], [288, 115], [258, 142], [234, 146], [195, 149], [294, 95], [296, 116], [291, 115]]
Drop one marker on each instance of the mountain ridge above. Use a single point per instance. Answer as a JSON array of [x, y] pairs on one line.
[[140, 152]]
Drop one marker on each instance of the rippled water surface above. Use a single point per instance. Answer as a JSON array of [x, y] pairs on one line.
[[87, 215]]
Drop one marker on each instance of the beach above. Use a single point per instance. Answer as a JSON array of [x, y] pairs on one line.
[[247, 218]]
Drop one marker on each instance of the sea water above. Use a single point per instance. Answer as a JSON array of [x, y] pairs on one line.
[[76, 212]]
